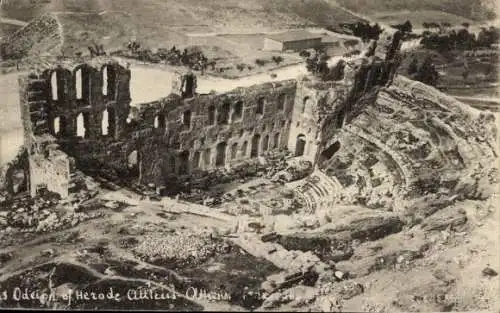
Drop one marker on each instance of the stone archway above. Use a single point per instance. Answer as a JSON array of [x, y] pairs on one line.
[[133, 164], [220, 159], [254, 151], [300, 145]]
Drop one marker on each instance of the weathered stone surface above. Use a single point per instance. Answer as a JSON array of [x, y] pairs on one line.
[[449, 217]]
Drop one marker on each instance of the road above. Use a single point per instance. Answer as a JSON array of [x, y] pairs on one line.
[[14, 22]]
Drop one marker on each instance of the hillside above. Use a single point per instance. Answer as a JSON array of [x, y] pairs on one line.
[[163, 23], [470, 9]]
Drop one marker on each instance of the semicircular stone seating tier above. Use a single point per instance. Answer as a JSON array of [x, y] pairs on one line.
[[397, 158], [319, 191]]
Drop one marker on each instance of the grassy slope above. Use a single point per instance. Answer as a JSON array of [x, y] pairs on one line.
[[158, 23], [473, 9], [417, 18]]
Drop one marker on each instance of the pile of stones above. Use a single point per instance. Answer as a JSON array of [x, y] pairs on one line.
[[40, 214], [178, 248]]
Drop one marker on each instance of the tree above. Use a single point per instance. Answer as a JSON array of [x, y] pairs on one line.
[[413, 67], [427, 73], [260, 62], [277, 59], [406, 27], [337, 71], [425, 25], [305, 54], [240, 67], [465, 24]]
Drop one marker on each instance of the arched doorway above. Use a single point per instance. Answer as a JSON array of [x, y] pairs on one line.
[[254, 152], [220, 159], [184, 162], [133, 163], [300, 145]]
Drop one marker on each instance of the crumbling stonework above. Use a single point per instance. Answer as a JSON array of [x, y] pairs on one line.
[[85, 111]]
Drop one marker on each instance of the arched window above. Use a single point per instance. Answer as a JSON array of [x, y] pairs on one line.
[[234, 151], [220, 159], [172, 164], [224, 111], [108, 81], [105, 122], [184, 163], [186, 119], [244, 149], [265, 143], [207, 155], [56, 125], [305, 103], [254, 152], [237, 110], [79, 84], [196, 159], [80, 126], [281, 102], [105, 81], [211, 115], [276, 142], [260, 106], [54, 86]]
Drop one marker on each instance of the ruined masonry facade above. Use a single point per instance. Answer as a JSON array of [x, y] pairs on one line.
[[78, 117]]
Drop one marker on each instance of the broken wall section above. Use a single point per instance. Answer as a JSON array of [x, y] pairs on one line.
[[50, 167], [74, 105], [314, 102]]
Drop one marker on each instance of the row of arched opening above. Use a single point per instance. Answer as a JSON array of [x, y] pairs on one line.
[[223, 153], [60, 124], [82, 83], [261, 104]]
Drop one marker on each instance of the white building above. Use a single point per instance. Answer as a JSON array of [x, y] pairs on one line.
[[292, 40]]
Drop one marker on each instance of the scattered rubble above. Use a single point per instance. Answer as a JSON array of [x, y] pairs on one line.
[[178, 249]]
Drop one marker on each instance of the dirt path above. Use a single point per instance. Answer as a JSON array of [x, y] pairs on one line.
[[4, 20]]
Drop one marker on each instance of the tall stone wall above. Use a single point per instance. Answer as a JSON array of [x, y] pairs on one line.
[[65, 106], [85, 110], [213, 131]]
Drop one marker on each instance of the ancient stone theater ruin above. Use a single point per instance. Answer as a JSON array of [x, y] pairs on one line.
[[78, 117]]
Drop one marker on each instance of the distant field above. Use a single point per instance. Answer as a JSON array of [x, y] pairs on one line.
[[419, 17], [164, 23], [471, 9], [481, 78]]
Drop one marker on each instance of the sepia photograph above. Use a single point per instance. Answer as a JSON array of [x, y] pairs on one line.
[[250, 155]]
